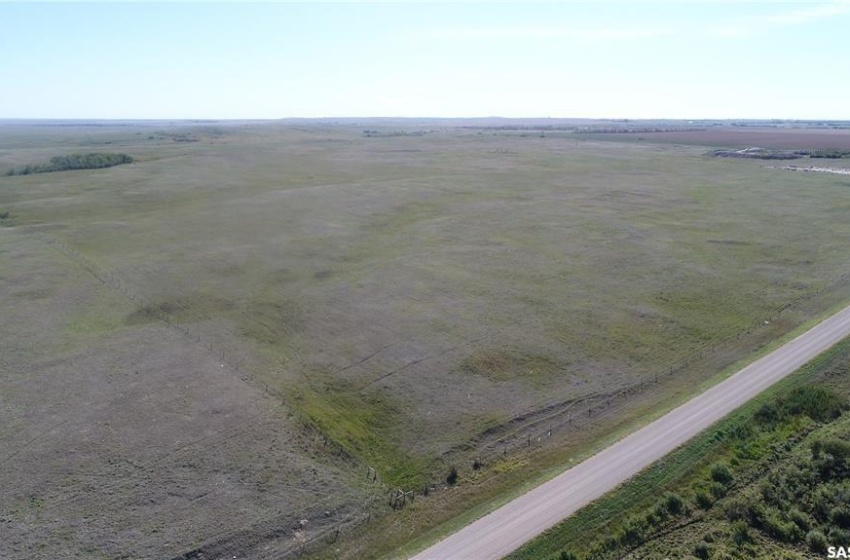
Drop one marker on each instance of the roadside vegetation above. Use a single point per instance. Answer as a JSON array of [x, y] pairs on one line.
[[73, 162], [762, 153], [771, 481]]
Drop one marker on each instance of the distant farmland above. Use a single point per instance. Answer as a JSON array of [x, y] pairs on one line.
[[775, 138], [273, 336]]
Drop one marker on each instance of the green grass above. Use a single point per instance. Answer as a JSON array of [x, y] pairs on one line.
[[362, 427], [426, 300]]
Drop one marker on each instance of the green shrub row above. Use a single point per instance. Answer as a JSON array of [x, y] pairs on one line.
[[74, 161]]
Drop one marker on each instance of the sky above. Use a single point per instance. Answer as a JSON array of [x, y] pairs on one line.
[[604, 59]]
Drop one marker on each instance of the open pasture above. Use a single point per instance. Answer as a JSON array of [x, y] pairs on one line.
[[224, 335]]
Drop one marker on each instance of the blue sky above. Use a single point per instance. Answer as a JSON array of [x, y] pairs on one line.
[[558, 59]]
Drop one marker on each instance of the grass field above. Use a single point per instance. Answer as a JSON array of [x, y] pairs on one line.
[[225, 335]]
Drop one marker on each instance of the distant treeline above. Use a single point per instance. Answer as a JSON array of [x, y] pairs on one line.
[[73, 161], [544, 127], [634, 129], [375, 133]]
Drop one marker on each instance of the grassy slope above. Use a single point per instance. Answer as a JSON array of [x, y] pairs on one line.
[[420, 299]]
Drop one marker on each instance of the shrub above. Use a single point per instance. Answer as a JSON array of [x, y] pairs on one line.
[[822, 503], [740, 432], [660, 513], [610, 543], [781, 530], [800, 519], [633, 532], [831, 458], [816, 541], [840, 516], [756, 514], [717, 490], [818, 403], [741, 533], [703, 499], [836, 535], [767, 414], [674, 503], [702, 551], [452, 476], [736, 509], [720, 472], [838, 448]]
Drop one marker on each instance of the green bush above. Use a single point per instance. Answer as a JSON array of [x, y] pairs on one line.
[[831, 458], [818, 403], [702, 551], [776, 527], [610, 543], [800, 519], [633, 532], [816, 541], [741, 533], [736, 508], [837, 535], [840, 516], [720, 472], [768, 414], [451, 478], [717, 490], [703, 499], [674, 504]]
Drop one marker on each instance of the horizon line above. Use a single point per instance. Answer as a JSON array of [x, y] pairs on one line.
[[398, 117]]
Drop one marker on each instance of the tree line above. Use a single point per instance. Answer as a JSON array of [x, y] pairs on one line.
[[74, 161]]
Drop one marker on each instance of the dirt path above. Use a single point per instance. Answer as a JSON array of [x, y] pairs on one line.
[[507, 528]]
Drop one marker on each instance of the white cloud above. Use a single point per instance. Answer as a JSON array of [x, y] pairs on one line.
[[753, 25], [799, 17]]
